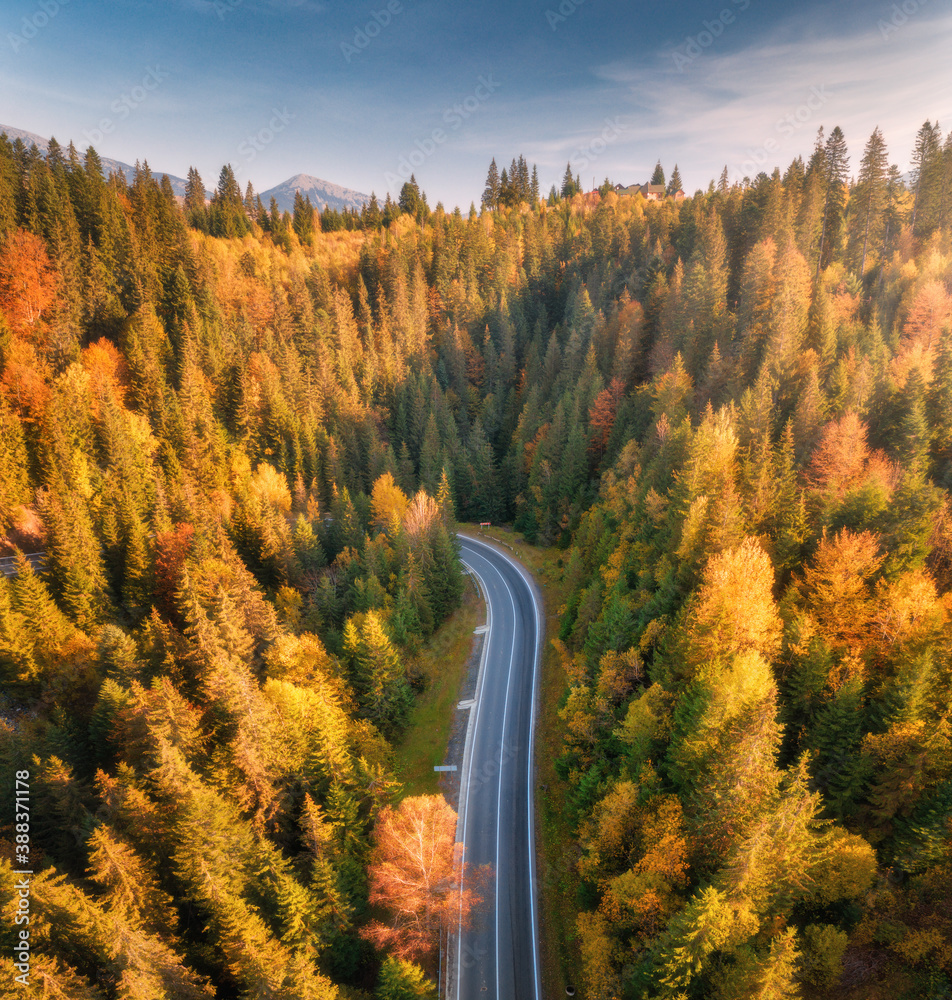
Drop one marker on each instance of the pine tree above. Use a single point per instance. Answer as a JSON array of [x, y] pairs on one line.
[[303, 217], [836, 163], [195, 201], [379, 676], [401, 980], [675, 184], [227, 212], [927, 171], [569, 187], [491, 193], [871, 195]]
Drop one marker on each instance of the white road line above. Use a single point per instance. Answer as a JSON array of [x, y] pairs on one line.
[[530, 796], [463, 815], [502, 744]]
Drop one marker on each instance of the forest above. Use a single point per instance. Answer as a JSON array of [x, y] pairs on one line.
[[242, 439]]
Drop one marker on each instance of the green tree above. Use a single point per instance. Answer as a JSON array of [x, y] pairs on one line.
[[402, 980], [490, 199], [675, 184]]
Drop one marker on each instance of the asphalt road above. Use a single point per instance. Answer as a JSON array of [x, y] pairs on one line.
[[8, 565], [499, 956]]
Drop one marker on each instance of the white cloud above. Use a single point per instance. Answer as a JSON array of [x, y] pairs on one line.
[[771, 95]]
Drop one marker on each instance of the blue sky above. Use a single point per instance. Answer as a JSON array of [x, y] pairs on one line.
[[358, 94]]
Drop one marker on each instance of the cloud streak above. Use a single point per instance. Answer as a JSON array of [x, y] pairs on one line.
[[732, 100]]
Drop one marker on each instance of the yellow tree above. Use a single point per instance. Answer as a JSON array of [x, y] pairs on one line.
[[734, 610], [837, 587], [388, 502]]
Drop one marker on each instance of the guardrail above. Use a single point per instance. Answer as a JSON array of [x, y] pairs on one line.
[[8, 564]]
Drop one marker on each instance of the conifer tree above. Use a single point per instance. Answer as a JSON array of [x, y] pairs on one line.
[[675, 184], [835, 166], [927, 171], [871, 193], [491, 192]]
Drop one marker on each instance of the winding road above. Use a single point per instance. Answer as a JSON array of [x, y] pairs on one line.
[[498, 957]]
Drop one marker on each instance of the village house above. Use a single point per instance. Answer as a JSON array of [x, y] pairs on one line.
[[651, 192]]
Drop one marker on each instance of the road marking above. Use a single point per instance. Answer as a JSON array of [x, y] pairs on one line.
[[529, 797], [505, 716], [463, 816]]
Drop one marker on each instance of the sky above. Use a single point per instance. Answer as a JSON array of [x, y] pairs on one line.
[[362, 93]]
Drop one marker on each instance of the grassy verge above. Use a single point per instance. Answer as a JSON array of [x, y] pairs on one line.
[[555, 842], [442, 661]]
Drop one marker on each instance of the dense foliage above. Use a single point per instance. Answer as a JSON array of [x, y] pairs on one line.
[[224, 426], [204, 676]]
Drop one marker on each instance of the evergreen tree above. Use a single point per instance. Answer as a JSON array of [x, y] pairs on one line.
[[195, 201], [871, 194], [675, 184], [569, 187], [927, 170], [490, 200], [836, 164]]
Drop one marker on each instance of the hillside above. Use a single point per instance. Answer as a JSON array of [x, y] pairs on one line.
[[109, 165], [242, 439]]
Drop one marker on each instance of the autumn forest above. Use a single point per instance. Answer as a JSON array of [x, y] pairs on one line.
[[235, 445]]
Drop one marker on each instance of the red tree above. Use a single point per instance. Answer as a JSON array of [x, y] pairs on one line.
[[28, 283], [417, 874], [602, 417], [171, 550]]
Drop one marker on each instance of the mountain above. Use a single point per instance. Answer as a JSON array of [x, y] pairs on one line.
[[109, 165], [320, 192]]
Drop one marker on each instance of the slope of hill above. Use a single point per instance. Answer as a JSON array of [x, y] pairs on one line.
[[320, 192], [108, 164]]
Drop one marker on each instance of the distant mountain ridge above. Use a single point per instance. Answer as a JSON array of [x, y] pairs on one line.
[[108, 164], [320, 192]]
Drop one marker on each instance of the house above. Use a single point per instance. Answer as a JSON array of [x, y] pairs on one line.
[[651, 192]]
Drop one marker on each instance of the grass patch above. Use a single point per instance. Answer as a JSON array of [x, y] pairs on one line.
[[557, 847], [442, 661]]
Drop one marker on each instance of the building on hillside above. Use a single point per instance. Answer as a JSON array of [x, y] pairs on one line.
[[651, 192]]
